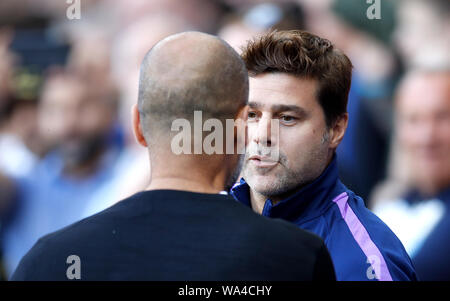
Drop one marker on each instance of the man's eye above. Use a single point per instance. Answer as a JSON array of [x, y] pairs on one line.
[[287, 119], [252, 115]]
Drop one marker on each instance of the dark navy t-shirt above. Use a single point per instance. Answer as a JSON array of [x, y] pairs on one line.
[[177, 235]]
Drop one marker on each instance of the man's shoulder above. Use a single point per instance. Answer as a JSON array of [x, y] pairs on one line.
[[368, 236], [49, 254], [371, 222], [293, 252], [275, 230], [290, 233], [349, 210], [85, 228]]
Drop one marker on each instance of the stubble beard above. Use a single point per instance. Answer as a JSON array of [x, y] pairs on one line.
[[285, 179]]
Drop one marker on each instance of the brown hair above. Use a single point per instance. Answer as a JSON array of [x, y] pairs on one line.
[[303, 54]]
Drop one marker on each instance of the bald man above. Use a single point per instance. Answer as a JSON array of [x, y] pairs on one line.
[[181, 227]]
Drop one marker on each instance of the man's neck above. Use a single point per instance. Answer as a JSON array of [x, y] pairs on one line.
[[188, 173], [188, 177], [258, 201]]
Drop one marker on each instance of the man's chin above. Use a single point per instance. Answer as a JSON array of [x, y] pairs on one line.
[[263, 184]]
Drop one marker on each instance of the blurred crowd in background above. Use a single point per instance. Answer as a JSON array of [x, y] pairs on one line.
[[67, 87]]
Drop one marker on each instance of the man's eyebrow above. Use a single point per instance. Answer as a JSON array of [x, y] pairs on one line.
[[290, 108], [254, 105], [279, 108]]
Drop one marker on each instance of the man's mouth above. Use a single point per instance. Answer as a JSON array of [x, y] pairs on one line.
[[262, 161]]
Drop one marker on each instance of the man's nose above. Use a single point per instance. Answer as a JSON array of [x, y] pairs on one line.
[[71, 124], [427, 133], [264, 131]]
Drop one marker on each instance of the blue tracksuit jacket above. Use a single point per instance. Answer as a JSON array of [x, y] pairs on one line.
[[361, 246]]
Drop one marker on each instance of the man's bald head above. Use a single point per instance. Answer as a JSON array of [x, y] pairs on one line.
[[190, 72]]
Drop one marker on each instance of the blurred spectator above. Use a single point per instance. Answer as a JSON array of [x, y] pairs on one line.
[[422, 35], [420, 214], [19, 140], [77, 120], [89, 58], [6, 72], [245, 25], [201, 14]]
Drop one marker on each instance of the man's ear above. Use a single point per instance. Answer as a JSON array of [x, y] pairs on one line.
[[338, 130], [137, 129]]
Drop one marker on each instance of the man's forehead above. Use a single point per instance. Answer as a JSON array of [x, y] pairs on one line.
[[424, 95], [271, 90], [281, 78], [64, 94]]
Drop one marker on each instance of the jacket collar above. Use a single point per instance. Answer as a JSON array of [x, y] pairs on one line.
[[309, 202]]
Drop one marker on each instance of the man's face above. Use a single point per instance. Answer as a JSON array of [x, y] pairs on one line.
[[302, 138], [423, 124], [73, 122]]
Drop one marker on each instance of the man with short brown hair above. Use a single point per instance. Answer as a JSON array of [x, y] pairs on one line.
[[300, 82]]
